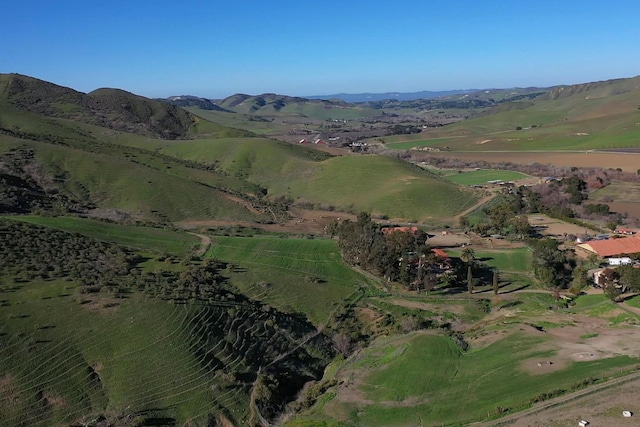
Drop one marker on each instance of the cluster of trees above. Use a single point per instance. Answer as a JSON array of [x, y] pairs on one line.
[[31, 252], [551, 266], [616, 281], [506, 216], [398, 256]]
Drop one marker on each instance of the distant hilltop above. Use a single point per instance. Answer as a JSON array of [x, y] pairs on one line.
[[400, 96]]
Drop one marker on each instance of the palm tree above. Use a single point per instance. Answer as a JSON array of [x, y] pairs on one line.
[[468, 255]]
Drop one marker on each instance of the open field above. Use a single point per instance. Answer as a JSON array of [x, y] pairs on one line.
[[297, 275], [418, 143], [554, 227], [422, 378], [481, 177], [512, 260], [620, 196], [144, 238], [628, 162]]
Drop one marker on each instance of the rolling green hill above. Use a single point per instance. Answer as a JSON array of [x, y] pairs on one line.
[[272, 104], [378, 184], [597, 115], [111, 108]]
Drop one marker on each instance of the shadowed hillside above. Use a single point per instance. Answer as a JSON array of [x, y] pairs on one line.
[[111, 108]]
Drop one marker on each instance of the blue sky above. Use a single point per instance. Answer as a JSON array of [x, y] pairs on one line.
[[219, 47]]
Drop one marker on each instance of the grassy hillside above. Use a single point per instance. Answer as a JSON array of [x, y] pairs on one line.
[[143, 238], [294, 275], [374, 183], [578, 117], [112, 108], [424, 378], [119, 183], [87, 334], [271, 104]]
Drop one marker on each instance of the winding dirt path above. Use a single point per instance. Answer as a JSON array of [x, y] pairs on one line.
[[205, 243]]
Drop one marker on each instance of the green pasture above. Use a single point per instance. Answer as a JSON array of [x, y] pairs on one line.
[[481, 177], [618, 191], [407, 145], [424, 379], [87, 355], [144, 238], [296, 275], [517, 260]]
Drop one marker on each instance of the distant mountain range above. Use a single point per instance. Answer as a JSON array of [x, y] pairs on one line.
[[400, 96]]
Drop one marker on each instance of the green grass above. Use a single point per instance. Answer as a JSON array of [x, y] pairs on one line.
[[138, 348], [115, 182], [144, 238], [505, 260], [376, 184], [483, 176], [633, 302], [383, 185], [428, 377], [298, 275]]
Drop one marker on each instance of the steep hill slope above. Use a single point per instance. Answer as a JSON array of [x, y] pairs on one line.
[[111, 108]]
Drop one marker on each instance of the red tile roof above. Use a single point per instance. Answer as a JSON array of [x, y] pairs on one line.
[[440, 253], [611, 247]]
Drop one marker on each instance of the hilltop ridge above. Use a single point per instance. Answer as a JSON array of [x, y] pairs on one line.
[[112, 108]]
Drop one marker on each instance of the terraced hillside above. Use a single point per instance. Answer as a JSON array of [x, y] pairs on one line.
[[87, 335]]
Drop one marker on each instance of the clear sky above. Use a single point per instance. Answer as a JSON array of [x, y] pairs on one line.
[[214, 48]]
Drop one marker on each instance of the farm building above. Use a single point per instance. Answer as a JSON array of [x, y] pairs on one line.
[[611, 247], [625, 231], [443, 261], [620, 261]]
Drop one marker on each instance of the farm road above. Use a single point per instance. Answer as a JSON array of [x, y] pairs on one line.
[[205, 243]]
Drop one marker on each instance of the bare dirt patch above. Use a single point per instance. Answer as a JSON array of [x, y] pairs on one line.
[[554, 227], [9, 393], [586, 339], [448, 239]]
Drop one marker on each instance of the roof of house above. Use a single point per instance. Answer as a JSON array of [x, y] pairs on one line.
[[606, 248], [440, 253], [389, 230]]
